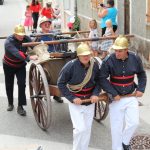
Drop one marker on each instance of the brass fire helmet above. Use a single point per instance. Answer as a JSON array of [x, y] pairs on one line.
[[121, 43], [19, 30], [83, 49]]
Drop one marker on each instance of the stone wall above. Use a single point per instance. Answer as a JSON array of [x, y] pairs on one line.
[[141, 30], [142, 47]]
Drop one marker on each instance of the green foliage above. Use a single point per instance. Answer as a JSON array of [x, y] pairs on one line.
[[76, 24]]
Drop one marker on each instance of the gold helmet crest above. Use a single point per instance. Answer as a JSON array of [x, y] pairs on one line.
[[19, 30], [83, 49], [121, 43]]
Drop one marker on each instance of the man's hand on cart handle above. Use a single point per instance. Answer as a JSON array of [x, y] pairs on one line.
[[34, 57], [94, 99], [77, 101], [104, 97], [136, 94], [101, 97], [117, 97]]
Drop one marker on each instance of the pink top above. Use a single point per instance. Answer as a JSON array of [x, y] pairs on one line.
[[28, 13]]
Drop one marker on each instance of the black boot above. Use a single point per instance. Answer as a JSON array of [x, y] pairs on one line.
[[58, 99], [10, 107], [126, 147], [21, 111]]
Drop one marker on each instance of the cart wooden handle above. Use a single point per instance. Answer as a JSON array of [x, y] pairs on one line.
[[101, 97], [58, 33], [128, 95], [72, 40], [3, 37], [52, 34], [104, 97], [74, 32]]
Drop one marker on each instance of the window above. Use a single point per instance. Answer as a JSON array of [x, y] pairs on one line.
[[69, 5], [66, 4], [95, 3], [148, 11]]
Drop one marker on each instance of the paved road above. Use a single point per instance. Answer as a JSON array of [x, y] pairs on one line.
[[18, 132]]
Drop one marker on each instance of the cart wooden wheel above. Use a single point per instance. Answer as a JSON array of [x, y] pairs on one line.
[[40, 96], [101, 110]]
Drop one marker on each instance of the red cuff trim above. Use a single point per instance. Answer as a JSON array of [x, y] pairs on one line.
[[22, 55]]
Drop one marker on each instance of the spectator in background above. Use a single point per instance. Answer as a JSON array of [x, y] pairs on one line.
[[57, 17], [57, 13], [28, 18], [109, 12], [94, 45], [35, 8], [106, 44], [48, 11]]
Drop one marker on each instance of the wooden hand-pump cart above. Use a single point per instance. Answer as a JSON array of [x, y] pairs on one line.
[[43, 83]]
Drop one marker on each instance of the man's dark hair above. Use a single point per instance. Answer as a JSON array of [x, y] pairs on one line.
[[49, 5], [110, 2], [34, 2]]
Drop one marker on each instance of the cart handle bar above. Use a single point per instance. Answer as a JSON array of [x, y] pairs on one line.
[[72, 40], [57, 33], [104, 97]]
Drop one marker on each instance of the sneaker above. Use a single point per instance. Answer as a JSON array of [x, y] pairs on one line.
[[10, 107], [58, 99], [126, 147], [21, 111]]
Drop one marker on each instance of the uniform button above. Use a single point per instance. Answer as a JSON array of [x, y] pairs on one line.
[[123, 71]]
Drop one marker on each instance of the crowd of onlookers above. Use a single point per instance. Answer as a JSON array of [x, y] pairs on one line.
[[108, 25], [35, 10], [107, 14]]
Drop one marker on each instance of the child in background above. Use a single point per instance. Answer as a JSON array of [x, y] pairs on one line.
[[94, 34], [106, 45], [28, 18]]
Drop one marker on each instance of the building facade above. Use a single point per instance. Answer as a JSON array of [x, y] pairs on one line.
[[133, 18]]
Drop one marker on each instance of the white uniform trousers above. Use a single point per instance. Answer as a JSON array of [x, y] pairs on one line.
[[82, 118], [124, 120]]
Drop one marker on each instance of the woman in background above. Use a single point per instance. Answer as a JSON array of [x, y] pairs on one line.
[[35, 8], [109, 12]]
